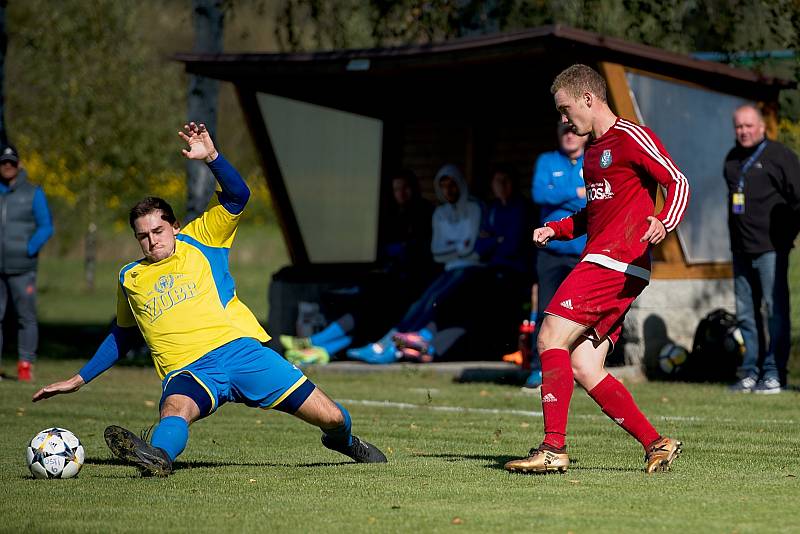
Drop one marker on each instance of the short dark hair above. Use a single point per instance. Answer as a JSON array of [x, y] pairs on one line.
[[578, 79], [148, 205], [410, 177]]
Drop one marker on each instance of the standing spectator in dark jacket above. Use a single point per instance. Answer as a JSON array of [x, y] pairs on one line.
[[25, 226], [763, 179]]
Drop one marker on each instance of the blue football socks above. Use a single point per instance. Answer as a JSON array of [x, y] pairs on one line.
[[333, 331], [426, 334], [335, 345], [171, 434], [341, 434]]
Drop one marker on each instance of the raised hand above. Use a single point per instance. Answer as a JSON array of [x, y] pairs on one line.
[[65, 386], [199, 141]]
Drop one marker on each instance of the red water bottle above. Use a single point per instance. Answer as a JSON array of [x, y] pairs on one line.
[[526, 330]]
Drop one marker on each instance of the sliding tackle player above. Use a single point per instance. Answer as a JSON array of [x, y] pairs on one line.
[[206, 344]]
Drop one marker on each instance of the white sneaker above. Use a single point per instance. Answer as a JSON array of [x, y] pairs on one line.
[[768, 386], [745, 385]]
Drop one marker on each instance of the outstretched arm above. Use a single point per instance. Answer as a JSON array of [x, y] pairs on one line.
[[116, 344], [569, 227], [235, 193]]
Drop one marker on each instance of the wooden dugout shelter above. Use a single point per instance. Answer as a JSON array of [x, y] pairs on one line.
[[330, 125]]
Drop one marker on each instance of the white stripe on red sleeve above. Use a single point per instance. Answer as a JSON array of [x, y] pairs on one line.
[[681, 192]]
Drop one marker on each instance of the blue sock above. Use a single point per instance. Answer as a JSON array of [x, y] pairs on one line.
[[341, 434], [426, 334], [171, 434], [333, 331], [335, 345]]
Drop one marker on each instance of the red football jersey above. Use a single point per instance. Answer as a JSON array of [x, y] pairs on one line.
[[622, 170]]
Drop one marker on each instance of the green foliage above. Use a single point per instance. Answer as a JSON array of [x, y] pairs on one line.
[[789, 134], [88, 102], [735, 27], [246, 470]]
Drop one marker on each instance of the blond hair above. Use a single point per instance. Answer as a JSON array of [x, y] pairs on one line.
[[579, 79]]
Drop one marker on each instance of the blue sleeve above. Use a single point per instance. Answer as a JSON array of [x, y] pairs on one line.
[[44, 223], [235, 193], [545, 190], [116, 344]]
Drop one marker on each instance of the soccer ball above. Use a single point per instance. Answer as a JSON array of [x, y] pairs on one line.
[[55, 453], [671, 358]]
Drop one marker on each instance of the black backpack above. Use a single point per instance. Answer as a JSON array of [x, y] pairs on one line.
[[717, 349]]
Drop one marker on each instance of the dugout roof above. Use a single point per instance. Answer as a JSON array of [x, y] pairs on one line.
[[330, 124]]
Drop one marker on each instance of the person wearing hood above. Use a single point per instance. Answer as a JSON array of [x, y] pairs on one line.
[[494, 300], [456, 226], [25, 226]]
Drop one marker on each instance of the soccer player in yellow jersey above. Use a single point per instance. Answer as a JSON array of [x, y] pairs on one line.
[[205, 343]]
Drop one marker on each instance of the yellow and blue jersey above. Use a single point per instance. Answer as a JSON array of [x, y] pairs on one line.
[[186, 305]]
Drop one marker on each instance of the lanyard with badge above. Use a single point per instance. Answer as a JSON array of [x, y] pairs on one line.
[[738, 197]]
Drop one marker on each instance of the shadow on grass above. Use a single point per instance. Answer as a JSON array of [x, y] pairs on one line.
[[498, 461], [201, 464]]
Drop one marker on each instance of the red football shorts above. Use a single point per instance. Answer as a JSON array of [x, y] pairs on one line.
[[596, 297]]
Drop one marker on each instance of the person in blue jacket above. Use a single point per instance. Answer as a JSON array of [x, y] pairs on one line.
[[558, 190], [25, 226]]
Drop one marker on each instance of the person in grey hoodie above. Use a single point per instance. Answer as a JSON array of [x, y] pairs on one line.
[[456, 226]]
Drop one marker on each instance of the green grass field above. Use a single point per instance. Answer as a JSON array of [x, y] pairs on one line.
[[251, 471], [247, 470]]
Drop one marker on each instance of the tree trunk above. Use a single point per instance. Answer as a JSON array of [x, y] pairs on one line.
[[208, 18], [3, 48]]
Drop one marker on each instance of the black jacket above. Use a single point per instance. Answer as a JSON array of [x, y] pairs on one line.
[[771, 217]]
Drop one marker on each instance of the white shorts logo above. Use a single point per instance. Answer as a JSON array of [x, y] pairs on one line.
[[567, 304], [549, 398], [619, 420]]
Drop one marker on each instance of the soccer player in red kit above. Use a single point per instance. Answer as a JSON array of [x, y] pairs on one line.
[[623, 166]]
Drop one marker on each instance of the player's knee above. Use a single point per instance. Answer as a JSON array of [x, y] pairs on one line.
[[544, 340], [180, 406]]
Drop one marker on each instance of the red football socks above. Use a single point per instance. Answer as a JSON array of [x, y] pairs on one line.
[[617, 403], [557, 385]]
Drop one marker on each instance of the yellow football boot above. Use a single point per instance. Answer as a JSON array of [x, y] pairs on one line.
[[541, 460], [661, 454]]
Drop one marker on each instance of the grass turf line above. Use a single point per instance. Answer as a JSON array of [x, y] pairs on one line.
[[250, 470]]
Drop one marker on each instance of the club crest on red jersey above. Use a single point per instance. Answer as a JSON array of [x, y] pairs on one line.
[[605, 159]]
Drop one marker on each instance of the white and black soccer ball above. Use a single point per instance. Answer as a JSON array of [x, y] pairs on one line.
[[671, 358], [55, 453]]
